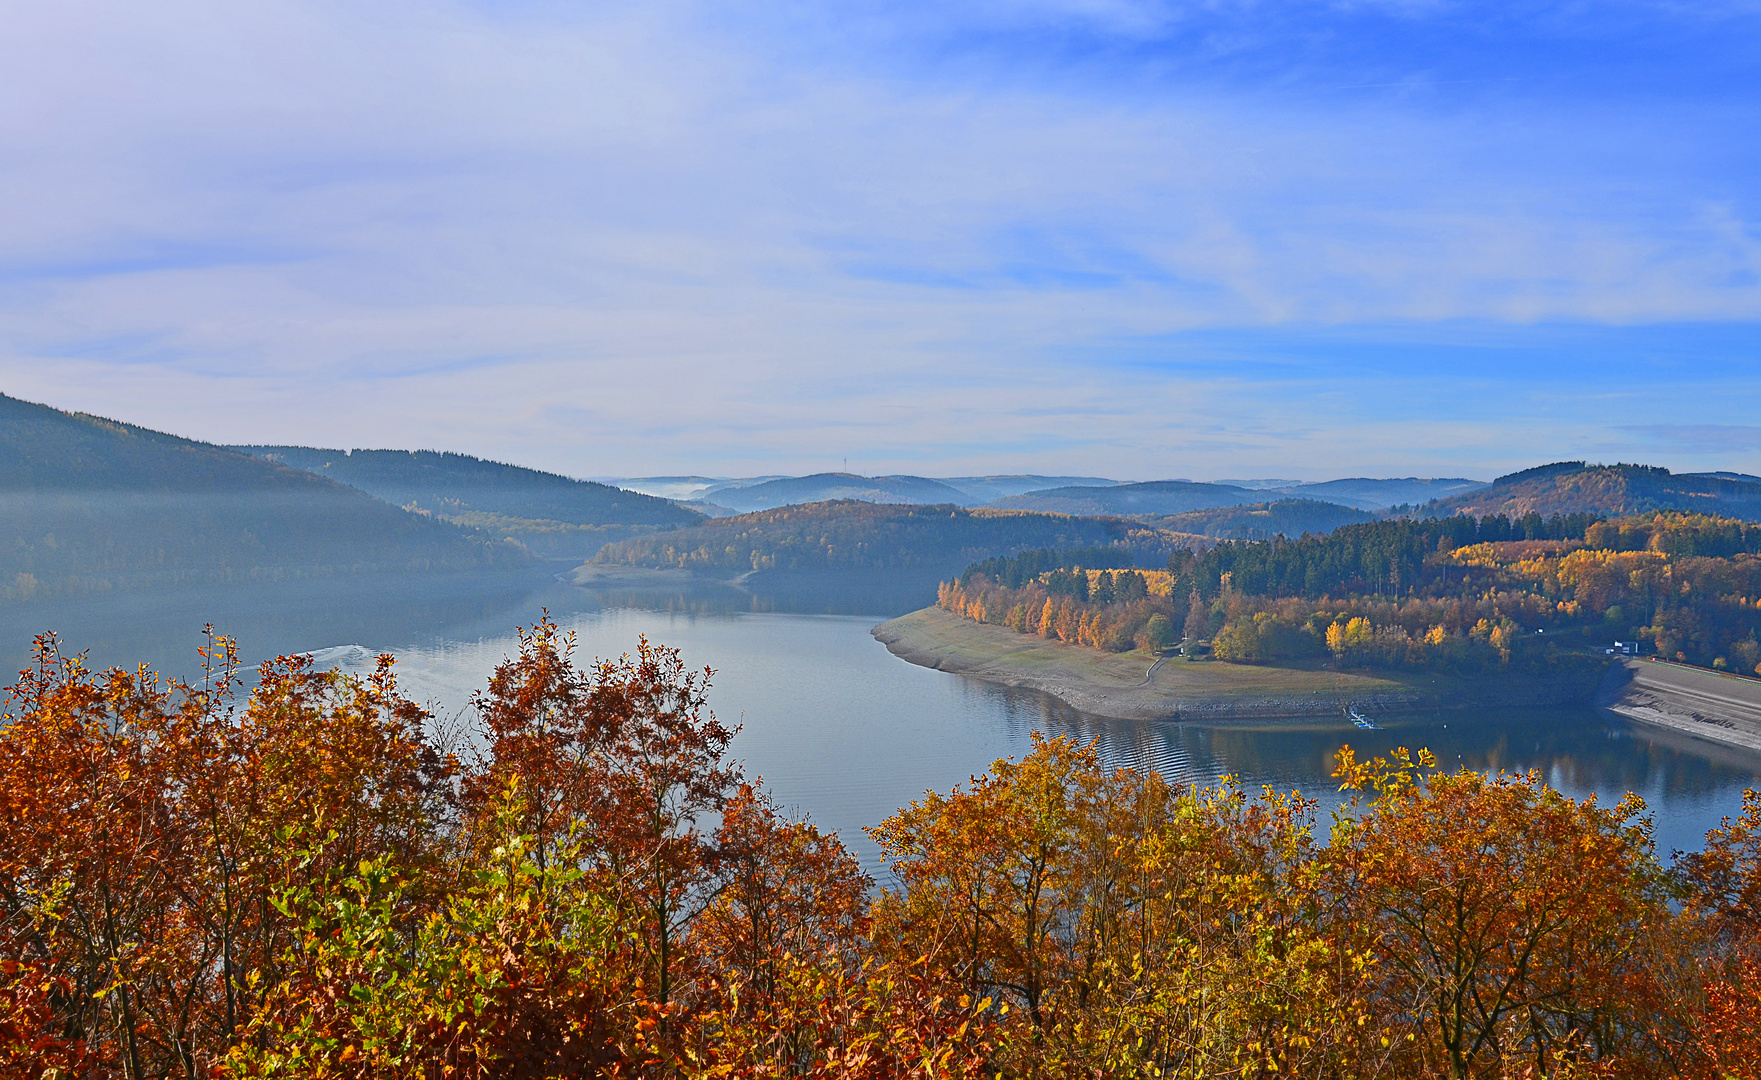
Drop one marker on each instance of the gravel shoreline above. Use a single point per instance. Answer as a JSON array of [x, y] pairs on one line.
[[1707, 705]]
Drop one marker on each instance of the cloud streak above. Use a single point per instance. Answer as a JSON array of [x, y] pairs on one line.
[[670, 239]]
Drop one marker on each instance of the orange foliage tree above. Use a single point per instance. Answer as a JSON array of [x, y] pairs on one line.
[[1513, 925], [301, 883]]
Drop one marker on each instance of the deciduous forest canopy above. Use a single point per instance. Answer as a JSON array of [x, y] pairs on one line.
[[1456, 592], [1573, 487], [307, 884]]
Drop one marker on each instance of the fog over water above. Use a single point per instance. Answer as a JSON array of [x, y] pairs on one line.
[[838, 727]]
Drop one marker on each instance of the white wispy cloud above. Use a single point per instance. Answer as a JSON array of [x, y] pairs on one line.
[[659, 238]]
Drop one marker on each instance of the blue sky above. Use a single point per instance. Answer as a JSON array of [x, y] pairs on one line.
[[1098, 236]]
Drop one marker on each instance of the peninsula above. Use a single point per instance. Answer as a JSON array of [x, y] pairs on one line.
[[1123, 684], [1391, 616]]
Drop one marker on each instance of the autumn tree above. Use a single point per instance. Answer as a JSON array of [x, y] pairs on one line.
[[1724, 898], [1512, 923], [143, 835], [1133, 929]]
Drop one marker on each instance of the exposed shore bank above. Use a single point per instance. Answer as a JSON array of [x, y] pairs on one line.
[[1704, 704], [1122, 685]]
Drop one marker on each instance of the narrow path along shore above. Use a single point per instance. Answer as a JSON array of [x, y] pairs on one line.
[[1150, 675], [1116, 684], [1705, 704]]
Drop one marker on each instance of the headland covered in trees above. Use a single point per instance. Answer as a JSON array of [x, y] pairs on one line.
[[1470, 608]]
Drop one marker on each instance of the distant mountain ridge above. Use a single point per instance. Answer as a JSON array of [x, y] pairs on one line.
[[1574, 487], [856, 535], [985, 490], [1027, 491], [95, 505], [745, 495], [1368, 494], [1125, 500], [824, 487]]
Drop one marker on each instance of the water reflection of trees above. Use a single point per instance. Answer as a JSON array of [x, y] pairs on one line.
[[1575, 750], [879, 595]]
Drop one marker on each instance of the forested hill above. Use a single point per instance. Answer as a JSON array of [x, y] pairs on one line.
[[453, 485], [855, 535], [93, 505], [1573, 487], [1368, 494], [1451, 593], [1153, 497], [825, 487], [1261, 521], [45, 450]]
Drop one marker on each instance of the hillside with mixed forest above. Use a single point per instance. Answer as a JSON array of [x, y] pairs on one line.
[[550, 514], [1260, 521], [862, 536], [1453, 593], [94, 505], [1574, 487]]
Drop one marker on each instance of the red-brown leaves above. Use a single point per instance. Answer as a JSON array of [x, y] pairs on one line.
[[191, 887], [33, 1043], [145, 826], [626, 757]]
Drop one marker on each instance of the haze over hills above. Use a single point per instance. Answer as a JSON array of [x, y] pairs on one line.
[[1573, 487], [985, 490], [1728, 476], [1367, 494], [682, 488], [552, 516], [95, 505], [451, 485], [765, 492], [1152, 497], [822, 487], [856, 535], [720, 497], [1182, 496]]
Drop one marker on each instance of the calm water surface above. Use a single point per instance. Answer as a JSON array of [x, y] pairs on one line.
[[839, 728]]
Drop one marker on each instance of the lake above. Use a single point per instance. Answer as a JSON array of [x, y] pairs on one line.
[[840, 729]]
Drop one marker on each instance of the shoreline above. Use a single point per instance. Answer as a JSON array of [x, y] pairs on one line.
[[1133, 686], [1706, 705]]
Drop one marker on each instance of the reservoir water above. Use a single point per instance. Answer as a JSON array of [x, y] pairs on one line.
[[840, 729]]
